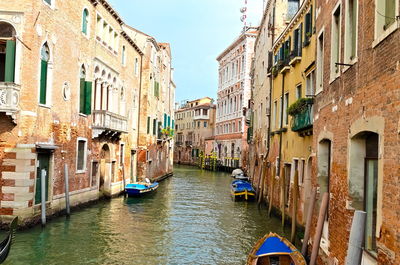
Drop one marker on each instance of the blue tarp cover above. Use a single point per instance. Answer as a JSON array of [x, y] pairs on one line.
[[273, 245], [241, 185]]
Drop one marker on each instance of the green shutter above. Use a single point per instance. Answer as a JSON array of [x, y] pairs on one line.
[[84, 21], [88, 98], [173, 126], [169, 121], [10, 61], [43, 82], [165, 120], [148, 125], [82, 96], [311, 22]]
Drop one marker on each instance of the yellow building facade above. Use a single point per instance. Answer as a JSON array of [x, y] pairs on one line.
[[293, 86]]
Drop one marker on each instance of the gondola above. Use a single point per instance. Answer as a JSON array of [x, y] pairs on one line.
[[273, 249], [5, 245], [241, 189], [140, 188]]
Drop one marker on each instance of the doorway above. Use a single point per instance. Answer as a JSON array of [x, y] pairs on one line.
[[42, 171], [105, 168]]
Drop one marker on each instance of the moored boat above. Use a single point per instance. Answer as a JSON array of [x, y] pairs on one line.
[[273, 249], [140, 188], [242, 189], [239, 174], [5, 245]]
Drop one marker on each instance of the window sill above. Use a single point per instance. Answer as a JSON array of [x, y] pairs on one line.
[[385, 34], [85, 35], [333, 78], [80, 171], [45, 106], [51, 6], [83, 115], [352, 62]]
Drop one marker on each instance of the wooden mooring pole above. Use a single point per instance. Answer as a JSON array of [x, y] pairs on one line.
[[43, 174], [66, 180], [308, 222], [320, 226], [294, 206], [271, 192]]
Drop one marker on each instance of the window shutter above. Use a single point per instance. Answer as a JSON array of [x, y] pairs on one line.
[[148, 125], [154, 126], [43, 82], [165, 120], [84, 21], [311, 18], [10, 61], [169, 121], [173, 126], [82, 96], [88, 98], [300, 39]]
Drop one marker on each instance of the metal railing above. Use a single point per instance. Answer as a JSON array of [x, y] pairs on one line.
[[304, 119], [9, 97], [106, 120]]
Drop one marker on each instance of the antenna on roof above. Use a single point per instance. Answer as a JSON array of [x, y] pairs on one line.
[[243, 17]]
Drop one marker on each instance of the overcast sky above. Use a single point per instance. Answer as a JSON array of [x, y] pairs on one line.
[[198, 31]]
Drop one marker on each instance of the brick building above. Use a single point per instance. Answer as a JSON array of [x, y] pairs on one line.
[[356, 125], [70, 96], [157, 100], [195, 122], [234, 92]]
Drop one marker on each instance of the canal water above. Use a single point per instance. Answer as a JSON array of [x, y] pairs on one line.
[[190, 219]]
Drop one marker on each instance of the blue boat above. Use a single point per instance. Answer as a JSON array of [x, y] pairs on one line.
[[241, 189], [273, 249], [140, 188]]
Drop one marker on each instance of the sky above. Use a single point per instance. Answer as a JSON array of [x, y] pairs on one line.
[[198, 31]]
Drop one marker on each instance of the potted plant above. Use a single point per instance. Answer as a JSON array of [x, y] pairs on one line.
[[299, 106]]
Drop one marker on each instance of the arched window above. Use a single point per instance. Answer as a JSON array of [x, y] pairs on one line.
[[136, 66], [7, 44], [123, 55], [44, 61], [85, 21], [85, 95]]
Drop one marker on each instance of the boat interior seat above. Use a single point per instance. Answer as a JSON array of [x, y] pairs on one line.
[[275, 260]]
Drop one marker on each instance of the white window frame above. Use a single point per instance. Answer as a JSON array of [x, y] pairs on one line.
[[333, 74], [285, 107], [121, 159], [381, 35], [347, 36], [84, 156], [319, 79], [49, 83]]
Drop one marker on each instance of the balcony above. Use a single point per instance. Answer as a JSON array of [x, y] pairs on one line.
[[107, 123], [201, 117], [188, 143], [295, 56], [303, 120], [179, 143], [9, 98]]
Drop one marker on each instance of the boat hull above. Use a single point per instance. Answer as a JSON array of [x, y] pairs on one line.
[[274, 249], [140, 189]]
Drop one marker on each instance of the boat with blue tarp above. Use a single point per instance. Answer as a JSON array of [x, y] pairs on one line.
[[241, 189], [273, 249], [140, 188]]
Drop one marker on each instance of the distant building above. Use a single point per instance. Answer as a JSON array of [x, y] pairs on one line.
[[195, 122], [157, 101], [234, 91]]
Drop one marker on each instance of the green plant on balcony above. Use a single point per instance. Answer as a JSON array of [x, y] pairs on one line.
[[274, 71], [167, 132], [301, 111]]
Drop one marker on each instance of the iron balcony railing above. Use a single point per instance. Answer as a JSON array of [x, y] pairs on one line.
[[106, 120], [304, 119], [9, 97]]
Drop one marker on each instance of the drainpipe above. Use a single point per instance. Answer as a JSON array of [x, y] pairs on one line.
[[280, 155], [139, 101]]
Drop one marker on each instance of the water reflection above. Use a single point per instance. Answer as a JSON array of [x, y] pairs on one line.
[[191, 219]]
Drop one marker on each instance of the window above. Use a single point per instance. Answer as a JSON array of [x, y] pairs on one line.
[[136, 66], [154, 126], [293, 6], [44, 61], [351, 30], [148, 125], [240, 126], [298, 91], [99, 27], [335, 42], [123, 55], [274, 114], [85, 95], [310, 91], [308, 27], [81, 155], [320, 62], [156, 89], [386, 12], [364, 157], [121, 155], [49, 2], [297, 36], [285, 107], [85, 21], [7, 59]]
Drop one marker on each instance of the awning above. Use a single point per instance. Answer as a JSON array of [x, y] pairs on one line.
[[46, 146]]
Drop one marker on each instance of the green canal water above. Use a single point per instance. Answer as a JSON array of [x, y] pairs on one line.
[[190, 219]]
